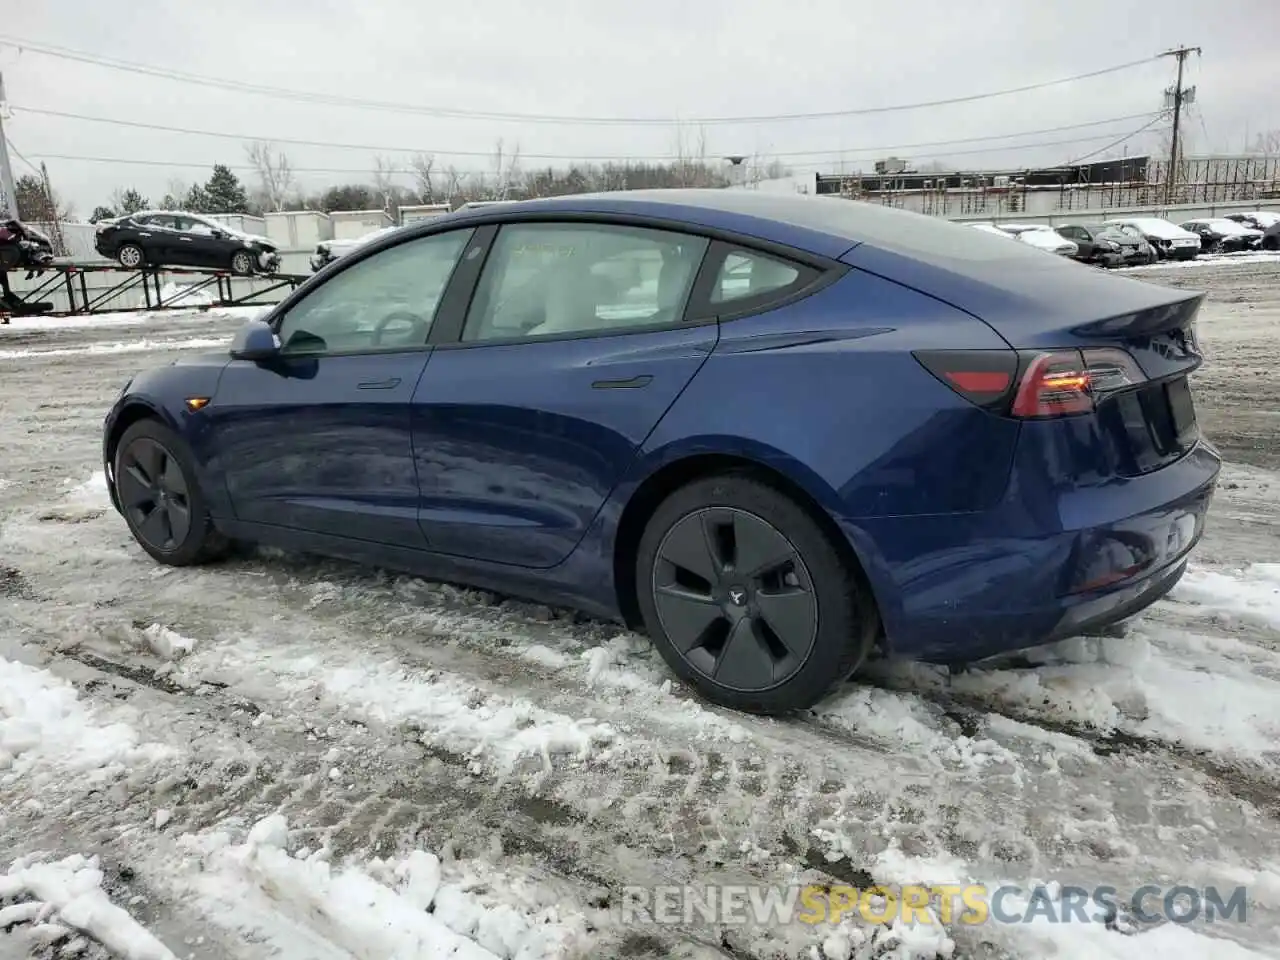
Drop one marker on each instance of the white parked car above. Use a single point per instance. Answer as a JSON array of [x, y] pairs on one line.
[[329, 250], [1041, 235], [1170, 241], [991, 228], [1257, 219]]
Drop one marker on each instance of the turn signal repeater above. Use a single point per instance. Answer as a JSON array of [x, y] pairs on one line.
[[197, 403]]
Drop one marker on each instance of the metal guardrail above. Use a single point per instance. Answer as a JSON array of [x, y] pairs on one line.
[[71, 280]]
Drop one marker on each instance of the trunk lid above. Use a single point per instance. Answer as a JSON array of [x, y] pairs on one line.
[[1039, 302]]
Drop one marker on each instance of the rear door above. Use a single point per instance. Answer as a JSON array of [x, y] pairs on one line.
[[573, 348], [318, 439]]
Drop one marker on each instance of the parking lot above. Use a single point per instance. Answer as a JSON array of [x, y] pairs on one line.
[[521, 766]]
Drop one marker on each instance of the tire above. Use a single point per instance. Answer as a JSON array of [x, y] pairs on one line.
[[796, 650], [154, 469], [131, 256], [242, 263]]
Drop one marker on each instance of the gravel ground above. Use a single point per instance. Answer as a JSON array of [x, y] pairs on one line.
[[550, 761]]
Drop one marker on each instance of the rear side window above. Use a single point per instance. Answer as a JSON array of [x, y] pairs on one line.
[[746, 274], [737, 281]]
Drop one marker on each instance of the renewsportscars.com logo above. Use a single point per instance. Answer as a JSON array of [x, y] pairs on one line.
[[970, 904]]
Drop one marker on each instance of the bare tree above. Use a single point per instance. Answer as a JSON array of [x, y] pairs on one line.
[[1267, 143], [384, 172], [506, 171], [423, 165], [275, 174], [455, 185], [691, 157]]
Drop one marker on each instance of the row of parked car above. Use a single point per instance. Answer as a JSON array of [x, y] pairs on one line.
[[1131, 241]]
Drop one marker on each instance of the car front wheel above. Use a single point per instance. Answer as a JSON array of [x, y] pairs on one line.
[[155, 484], [131, 256], [747, 598], [242, 263]]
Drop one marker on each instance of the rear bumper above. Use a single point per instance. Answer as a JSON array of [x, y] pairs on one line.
[[962, 587]]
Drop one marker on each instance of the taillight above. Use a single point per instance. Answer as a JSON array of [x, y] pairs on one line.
[[983, 377], [1053, 385], [1034, 384]]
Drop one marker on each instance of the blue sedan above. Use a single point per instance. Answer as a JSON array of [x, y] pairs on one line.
[[776, 433]]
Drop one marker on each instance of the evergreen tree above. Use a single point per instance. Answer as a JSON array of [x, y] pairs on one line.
[[196, 200], [131, 201], [224, 193], [102, 213]]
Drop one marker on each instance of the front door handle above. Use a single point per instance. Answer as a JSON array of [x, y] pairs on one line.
[[635, 383], [379, 384]]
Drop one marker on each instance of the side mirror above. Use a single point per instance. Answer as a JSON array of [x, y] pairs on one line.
[[255, 341], [219, 234]]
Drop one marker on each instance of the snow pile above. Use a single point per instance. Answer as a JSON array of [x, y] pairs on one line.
[[1252, 594], [59, 898], [167, 644], [449, 712], [404, 908], [46, 731], [128, 346], [186, 294], [902, 720]]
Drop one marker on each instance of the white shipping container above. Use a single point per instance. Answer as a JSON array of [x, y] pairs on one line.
[[298, 229]]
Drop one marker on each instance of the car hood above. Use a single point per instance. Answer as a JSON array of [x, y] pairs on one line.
[[1164, 231]]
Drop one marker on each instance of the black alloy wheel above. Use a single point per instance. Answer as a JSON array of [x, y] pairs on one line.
[[735, 599], [155, 484], [748, 599], [154, 494]]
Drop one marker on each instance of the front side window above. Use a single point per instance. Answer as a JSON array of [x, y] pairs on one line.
[[556, 279], [384, 302]]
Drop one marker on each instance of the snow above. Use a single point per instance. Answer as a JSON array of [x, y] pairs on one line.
[[125, 346], [130, 319], [1212, 260], [69, 893], [46, 731], [383, 908]]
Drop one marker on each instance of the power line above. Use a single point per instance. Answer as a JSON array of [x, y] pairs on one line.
[[289, 141], [403, 170], [1116, 143], [302, 96]]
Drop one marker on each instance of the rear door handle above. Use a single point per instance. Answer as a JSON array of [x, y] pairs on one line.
[[379, 384], [635, 383]]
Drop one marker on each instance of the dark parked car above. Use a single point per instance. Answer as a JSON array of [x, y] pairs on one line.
[[768, 430], [1271, 239], [23, 247], [171, 238], [1108, 246], [1220, 235]]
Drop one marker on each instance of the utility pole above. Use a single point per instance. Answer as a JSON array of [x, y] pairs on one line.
[[1178, 94], [9, 202]]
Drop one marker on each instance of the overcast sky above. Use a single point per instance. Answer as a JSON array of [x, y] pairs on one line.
[[662, 59]]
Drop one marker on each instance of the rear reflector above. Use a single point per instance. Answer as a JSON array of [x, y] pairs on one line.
[[1034, 385]]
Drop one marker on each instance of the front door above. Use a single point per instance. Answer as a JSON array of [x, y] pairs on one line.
[[572, 350], [319, 439]]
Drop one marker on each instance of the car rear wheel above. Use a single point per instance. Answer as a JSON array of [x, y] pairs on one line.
[[747, 599], [242, 263], [130, 256], [155, 483]]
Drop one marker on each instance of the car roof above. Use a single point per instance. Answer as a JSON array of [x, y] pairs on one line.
[[827, 226]]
